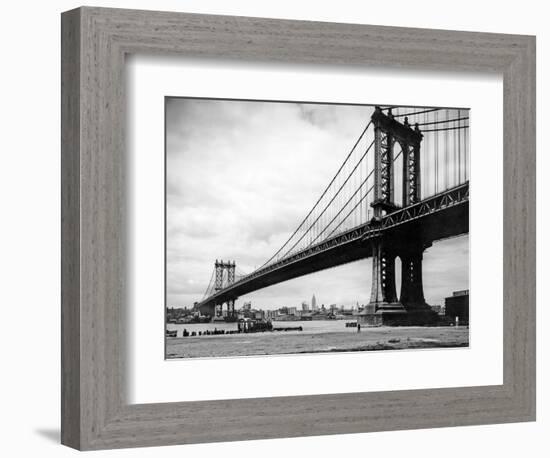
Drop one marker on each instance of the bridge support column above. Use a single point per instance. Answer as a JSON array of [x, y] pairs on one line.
[[218, 310], [231, 315], [384, 308], [383, 275], [412, 289]]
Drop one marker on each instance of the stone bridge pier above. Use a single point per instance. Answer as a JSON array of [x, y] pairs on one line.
[[218, 310], [385, 306]]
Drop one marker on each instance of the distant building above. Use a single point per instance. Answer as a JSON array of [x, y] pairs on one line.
[[313, 303], [305, 307], [247, 306], [458, 305], [292, 310]]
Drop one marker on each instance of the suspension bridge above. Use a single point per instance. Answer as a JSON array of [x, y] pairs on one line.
[[403, 186]]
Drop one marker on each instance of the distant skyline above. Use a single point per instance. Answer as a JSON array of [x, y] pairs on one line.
[[241, 175]]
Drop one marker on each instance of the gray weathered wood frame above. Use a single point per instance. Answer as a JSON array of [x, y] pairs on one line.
[[95, 414]]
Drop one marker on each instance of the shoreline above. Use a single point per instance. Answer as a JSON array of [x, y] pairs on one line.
[[299, 343]]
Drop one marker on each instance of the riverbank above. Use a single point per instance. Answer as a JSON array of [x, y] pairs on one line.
[[269, 343]]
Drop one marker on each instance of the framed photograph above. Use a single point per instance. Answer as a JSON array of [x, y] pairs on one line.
[[292, 211], [268, 224]]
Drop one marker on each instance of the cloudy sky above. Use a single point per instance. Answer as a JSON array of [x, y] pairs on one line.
[[240, 178]]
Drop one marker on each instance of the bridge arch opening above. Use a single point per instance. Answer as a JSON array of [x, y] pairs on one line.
[[398, 276]]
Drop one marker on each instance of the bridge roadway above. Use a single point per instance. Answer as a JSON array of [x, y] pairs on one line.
[[438, 217]]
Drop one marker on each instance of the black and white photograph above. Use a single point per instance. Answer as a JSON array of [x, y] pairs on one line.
[[299, 228], [245, 230]]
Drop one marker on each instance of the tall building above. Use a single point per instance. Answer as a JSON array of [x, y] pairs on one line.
[[313, 303], [305, 307]]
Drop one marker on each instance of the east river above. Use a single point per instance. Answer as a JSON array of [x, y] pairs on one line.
[[316, 337]]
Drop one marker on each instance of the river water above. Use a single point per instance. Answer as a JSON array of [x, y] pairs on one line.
[[308, 327]]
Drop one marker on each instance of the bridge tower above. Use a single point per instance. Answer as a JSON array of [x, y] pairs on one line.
[[385, 307], [221, 268], [218, 285]]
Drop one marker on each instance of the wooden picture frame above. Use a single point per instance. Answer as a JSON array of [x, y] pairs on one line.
[[95, 412]]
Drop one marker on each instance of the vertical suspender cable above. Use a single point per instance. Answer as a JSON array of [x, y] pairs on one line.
[[459, 148], [457, 152], [468, 141], [446, 160], [428, 147], [436, 157]]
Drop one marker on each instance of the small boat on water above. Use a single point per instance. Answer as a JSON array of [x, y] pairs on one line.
[[173, 333]]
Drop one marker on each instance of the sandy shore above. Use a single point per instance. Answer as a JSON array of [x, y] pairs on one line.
[[269, 343]]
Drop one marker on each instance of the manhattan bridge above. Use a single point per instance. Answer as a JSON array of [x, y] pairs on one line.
[[402, 187]]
